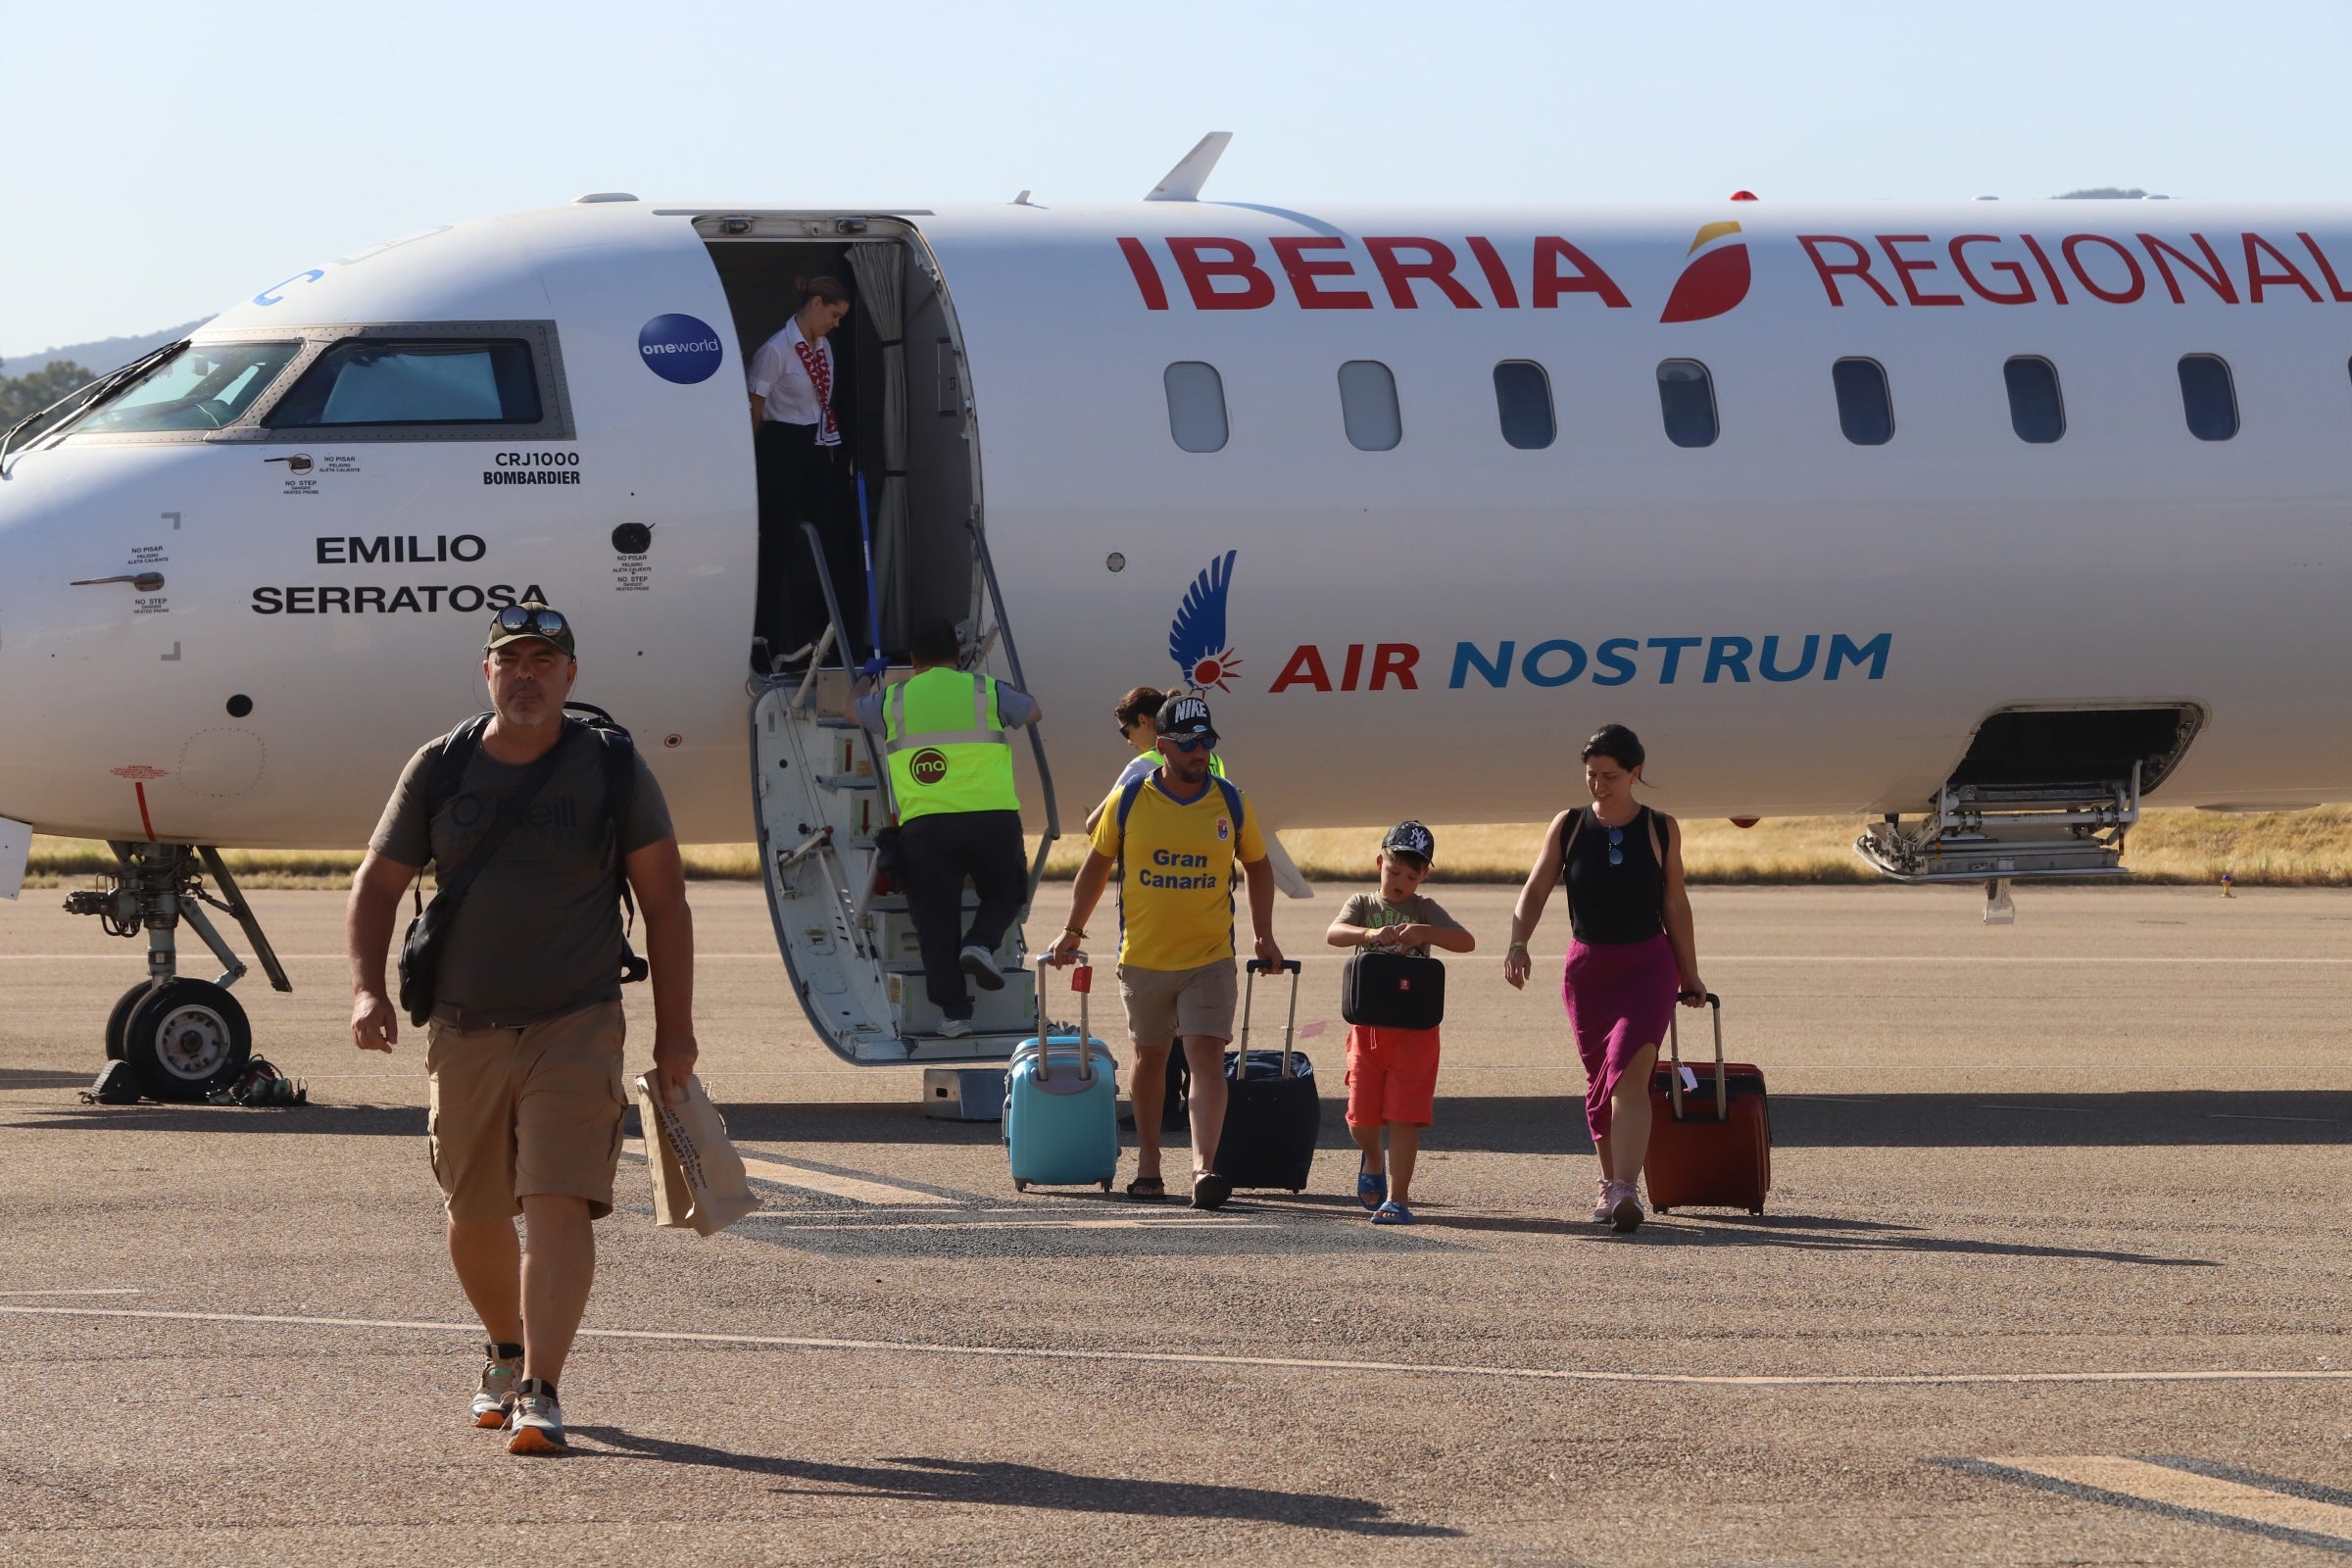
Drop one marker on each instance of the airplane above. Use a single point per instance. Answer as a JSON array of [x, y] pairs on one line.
[[1981, 522]]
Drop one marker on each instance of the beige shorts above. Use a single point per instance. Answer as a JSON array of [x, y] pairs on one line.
[[1162, 1004], [517, 1113]]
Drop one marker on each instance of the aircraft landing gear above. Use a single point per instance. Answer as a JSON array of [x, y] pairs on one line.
[[184, 1037]]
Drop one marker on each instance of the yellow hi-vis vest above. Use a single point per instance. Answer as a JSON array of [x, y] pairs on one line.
[[947, 746]]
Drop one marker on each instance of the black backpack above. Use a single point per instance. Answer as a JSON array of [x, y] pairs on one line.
[[620, 761]]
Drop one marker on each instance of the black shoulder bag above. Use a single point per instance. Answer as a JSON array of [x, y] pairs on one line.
[[420, 948]]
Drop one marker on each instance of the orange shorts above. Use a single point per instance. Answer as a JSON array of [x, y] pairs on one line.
[[1391, 1076]]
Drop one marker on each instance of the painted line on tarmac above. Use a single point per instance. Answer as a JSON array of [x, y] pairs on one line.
[[118, 1290], [1280, 1363], [784, 1173], [2176, 1486], [785, 1221]]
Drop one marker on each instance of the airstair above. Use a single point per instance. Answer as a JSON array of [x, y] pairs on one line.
[[822, 793], [2040, 793]]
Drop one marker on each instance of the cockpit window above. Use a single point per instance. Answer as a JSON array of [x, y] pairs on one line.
[[202, 387], [383, 382]]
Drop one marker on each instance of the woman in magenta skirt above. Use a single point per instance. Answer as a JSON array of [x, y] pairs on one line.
[[1633, 953]]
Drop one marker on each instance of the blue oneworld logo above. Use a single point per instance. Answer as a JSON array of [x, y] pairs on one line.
[[680, 348]]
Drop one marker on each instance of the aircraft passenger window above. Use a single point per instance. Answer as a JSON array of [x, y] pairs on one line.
[[1368, 406], [1686, 399], [1196, 406], [1865, 408], [1523, 402], [2207, 399], [383, 381], [2035, 411], [202, 387]]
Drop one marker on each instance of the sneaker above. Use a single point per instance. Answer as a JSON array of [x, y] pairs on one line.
[[536, 1424], [1625, 1216], [981, 965], [496, 1395], [954, 1028], [1605, 1201]]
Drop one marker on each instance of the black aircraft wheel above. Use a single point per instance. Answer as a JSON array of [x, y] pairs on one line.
[[185, 1039], [115, 1019]]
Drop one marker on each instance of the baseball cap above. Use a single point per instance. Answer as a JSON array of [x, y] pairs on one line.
[[1186, 717], [531, 618], [1410, 837]]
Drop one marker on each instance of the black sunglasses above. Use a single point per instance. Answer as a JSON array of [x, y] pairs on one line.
[[1616, 846], [1191, 746], [532, 621]]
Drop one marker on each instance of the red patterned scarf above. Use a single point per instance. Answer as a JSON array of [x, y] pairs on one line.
[[820, 376]]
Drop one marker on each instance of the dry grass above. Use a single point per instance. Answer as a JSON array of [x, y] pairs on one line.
[[2279, 848]]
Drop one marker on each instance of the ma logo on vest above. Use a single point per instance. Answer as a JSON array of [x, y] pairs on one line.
[[928, 766]]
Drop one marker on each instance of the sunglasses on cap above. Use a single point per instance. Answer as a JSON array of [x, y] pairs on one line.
[[524, 621], [1188, 747]]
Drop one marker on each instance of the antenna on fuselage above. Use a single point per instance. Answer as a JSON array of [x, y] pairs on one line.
[[1183, 182]]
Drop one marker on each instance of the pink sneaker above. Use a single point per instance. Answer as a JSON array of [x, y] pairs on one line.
[[1626, 1213], [1603, 1202]]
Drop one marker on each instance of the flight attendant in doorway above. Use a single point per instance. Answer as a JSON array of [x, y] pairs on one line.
[[804, 475]]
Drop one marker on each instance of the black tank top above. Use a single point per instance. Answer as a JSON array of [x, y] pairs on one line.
[[1612, 905]]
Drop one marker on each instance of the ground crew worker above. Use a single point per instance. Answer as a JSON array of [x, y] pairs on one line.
[[1179, 833], [944, 733], [523, 1051]]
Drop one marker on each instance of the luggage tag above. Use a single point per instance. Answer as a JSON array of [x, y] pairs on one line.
[[1690, 1079]]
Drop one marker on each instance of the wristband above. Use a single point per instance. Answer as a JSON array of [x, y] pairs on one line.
[[1516, 947], [1073, 931]]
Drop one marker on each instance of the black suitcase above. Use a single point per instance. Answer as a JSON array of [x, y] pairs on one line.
[[1273, 1114], [1393, 991]]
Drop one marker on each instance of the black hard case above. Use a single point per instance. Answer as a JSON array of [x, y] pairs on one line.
[[1273, 1114], [1393, 991]]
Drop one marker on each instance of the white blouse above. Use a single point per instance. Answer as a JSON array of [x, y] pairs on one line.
[[781, 382]]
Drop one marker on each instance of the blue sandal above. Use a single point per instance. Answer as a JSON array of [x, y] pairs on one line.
[[1394, 1215], [1371, 1190]]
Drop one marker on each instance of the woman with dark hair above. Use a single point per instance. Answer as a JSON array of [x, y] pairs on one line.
[[803, 475], [1633, 951]]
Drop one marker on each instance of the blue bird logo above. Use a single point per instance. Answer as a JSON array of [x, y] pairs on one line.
[[1196, 636]]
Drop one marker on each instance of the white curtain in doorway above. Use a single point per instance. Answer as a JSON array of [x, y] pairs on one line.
[[881, 288]]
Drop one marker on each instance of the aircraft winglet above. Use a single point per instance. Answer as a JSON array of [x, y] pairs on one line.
[[1183, 182]]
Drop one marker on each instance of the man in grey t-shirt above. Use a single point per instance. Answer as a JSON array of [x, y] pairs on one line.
[[523, 1051]]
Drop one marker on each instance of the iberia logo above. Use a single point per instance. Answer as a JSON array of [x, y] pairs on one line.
[[1716, 281], [1196, 636]]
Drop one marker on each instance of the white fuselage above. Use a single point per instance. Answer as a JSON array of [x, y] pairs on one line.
[[1428, 630]]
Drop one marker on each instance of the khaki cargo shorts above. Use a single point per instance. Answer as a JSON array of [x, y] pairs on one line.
[[1164, 1003], [517, 1113]]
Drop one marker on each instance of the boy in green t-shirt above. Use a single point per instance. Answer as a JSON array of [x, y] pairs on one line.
[[1393, 1074]]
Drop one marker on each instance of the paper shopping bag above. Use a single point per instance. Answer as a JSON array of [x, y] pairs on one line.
[[699, 1181]]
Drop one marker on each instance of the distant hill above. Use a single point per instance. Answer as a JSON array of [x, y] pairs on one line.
[[101, 356], [2104, 193]]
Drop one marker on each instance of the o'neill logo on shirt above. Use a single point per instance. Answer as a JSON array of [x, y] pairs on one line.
[[930, 765], [680, 348], [1196, 636]]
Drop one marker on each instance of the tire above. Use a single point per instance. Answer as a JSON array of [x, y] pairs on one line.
[[121, 1015], [1020, 1186], [185, 1039], [1104, 1183]]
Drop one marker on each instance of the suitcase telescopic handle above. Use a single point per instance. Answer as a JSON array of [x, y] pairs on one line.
[[1674, 1038], [1253, 968], [1082, 982]]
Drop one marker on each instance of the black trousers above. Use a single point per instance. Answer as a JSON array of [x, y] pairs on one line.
[[936, 853], [800, 482]]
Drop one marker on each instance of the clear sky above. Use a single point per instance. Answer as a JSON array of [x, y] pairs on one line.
[[171, 158]]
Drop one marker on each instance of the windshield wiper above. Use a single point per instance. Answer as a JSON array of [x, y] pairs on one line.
[[89, 396]]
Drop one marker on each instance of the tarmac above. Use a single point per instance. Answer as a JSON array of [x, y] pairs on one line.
[[2052, 1271]]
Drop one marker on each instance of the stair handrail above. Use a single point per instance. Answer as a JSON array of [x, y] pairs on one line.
[[841, 641], [1012, 663]]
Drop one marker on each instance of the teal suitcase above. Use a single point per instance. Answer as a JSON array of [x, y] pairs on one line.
[[1062, 1095]]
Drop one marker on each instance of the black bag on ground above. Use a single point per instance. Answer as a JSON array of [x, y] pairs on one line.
[[1393, 991], [1273, 1114]]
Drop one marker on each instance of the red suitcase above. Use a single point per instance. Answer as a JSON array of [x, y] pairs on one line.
[[1711, 1145]]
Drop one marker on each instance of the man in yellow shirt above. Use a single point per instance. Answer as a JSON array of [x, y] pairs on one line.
[[1174, 837]]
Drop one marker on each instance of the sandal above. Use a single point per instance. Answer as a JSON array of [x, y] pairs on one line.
[[1210, 1190], [1371, 1190], [1394, 1215], [1148, 1190]]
